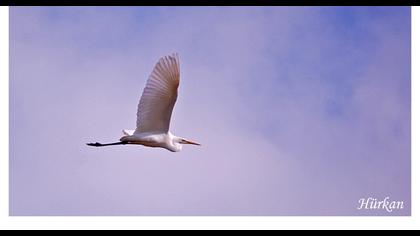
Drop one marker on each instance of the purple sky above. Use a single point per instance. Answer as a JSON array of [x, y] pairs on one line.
[[300, 110]]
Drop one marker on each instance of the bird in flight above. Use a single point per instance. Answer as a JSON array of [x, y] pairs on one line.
[[155, 109]]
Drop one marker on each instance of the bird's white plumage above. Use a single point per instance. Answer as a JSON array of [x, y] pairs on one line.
[[159, 96], [155, 109]]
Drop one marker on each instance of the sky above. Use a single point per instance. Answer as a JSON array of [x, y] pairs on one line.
[[299, 110]]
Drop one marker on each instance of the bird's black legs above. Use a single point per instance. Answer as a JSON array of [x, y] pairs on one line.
[[105, 144]]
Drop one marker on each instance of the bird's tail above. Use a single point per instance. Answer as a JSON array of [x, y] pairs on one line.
[[128, 131]]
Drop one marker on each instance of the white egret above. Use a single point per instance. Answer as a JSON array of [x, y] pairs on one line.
[[155, 109]]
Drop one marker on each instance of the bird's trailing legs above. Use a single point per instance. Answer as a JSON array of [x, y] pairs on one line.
[[105, 144]]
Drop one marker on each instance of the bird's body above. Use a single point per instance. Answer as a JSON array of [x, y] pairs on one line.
[[164, 140], [155, 109]]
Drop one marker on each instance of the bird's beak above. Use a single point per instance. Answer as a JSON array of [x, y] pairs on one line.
[[184, 141]]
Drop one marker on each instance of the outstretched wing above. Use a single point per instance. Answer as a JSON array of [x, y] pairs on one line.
[[159, 96]]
